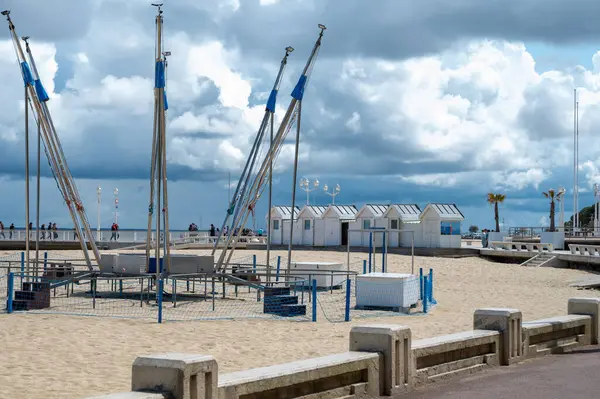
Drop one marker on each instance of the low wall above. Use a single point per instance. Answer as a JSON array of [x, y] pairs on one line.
[[382, 360]]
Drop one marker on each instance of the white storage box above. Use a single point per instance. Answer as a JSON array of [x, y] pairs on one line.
[[322, 273], [387, 290]]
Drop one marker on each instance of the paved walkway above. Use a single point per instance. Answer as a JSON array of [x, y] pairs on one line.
[[569, 376]]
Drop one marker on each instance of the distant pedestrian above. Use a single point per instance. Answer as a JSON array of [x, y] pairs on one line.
[[30, 230], [212, 230], [55, 231], [43, 229], [11, 230], [2, 230], [114, 232]]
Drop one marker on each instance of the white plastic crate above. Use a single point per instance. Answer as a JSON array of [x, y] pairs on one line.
[[387, 290], [325, 279]]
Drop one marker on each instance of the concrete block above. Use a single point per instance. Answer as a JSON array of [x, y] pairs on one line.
[[132, 395], [345, 375], [182, 375], [556, 334], [589, 307], [509, 322], [454, 355], [394, 343]]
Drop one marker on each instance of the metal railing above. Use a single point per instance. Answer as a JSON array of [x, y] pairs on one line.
[[534, 232]]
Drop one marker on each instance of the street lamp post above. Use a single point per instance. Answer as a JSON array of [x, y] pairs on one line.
[[596, 207], [305, 185], [561, 214], [99, 192], [332, 194], [116, 193]]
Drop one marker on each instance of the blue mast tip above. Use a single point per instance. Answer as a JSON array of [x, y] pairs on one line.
[[272, 101], [298, 92]]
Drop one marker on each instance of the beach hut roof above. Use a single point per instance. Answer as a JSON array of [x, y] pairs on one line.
[[315, 211], [377, 210], [406, 212], [445, 211], [343, 212], [285, 212]]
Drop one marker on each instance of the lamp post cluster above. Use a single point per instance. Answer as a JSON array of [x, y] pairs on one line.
[[308, 186]]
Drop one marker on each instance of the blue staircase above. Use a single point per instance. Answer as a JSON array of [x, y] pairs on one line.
[[279, 301]]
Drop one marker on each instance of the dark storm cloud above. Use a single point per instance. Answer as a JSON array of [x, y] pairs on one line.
[[55, 20], [400, 29]]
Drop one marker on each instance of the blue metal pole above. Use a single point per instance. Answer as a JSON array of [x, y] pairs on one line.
[[365, 266], [11, 285], [160, 298], [383, 265], [121, 287], [370, 249], [431, 300], [22, 266], [45, 260], [348, 285], [314, 300], [430, 285], [421, 289], [425, 296], [278, 267], [254, 263]]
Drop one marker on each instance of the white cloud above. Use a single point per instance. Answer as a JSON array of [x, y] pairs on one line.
[[353, 123]]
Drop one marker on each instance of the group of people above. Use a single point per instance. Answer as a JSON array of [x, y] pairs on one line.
[[51, 229], [214, 232], [11, 230], [193, 227]]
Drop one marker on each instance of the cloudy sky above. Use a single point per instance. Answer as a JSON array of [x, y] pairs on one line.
[[410, 101]]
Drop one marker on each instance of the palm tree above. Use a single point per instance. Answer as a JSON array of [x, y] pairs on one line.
[[553, 196], [496, 199]]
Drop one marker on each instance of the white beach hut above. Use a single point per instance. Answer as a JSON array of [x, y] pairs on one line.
[[368, 217], [441, 226], [311, 225], [280, 224], [336, 220], [406, 219]]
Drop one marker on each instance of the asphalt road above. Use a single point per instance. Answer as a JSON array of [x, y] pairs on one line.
[[569, 376]]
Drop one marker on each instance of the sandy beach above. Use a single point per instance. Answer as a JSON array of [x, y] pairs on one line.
[[60, 356]]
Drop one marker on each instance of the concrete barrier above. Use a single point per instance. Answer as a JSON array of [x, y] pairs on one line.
[[454, 355], [382, 360], [522, 246], [393, 342], [585, 250], [350, 374], [556, 334]]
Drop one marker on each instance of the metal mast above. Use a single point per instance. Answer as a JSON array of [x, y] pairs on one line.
[[158, 166], [235, 202], [257, 185], [298, 94], [38, 102]]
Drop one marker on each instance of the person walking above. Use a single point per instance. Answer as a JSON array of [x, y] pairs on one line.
[[43, 230], [55, 231], [2, 230], [11, 230]]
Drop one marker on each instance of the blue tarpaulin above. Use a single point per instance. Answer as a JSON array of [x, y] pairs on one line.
[[272, 101], [27, 76], [41, 92], [159, 75], [298, 92], [165, 99]]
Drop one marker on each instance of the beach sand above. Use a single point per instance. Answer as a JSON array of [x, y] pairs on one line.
[[62, 356]]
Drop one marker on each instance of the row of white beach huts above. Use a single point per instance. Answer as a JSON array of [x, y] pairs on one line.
[[436, 226]]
